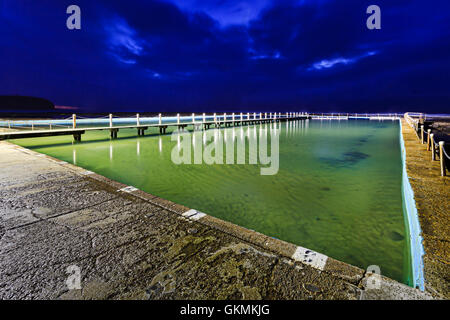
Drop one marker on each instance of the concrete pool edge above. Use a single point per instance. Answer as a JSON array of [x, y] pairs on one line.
[[431, 194], [390, 289], [414, 230]]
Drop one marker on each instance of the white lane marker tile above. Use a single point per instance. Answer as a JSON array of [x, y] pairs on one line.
[[193, 214], [312, 258], [128, 189]]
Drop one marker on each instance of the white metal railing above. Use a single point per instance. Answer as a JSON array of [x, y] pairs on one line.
[[111, 120]]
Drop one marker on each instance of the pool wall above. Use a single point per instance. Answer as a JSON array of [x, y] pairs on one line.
[[414, 231]]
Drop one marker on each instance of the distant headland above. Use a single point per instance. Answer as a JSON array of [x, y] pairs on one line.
[[19, 104]]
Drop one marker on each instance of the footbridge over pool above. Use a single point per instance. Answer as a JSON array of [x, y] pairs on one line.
[[78, 126]]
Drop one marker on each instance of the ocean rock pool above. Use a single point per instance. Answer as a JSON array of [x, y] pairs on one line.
[[337, 190]]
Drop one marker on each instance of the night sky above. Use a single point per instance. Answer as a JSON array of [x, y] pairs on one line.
[[216, 55]]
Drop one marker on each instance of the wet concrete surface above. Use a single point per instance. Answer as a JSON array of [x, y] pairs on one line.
[[133, 245], [432, 196]]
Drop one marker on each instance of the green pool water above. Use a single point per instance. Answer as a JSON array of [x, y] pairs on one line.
[[337, 190]]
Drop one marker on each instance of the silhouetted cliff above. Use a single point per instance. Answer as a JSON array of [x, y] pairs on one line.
[[25, 104]]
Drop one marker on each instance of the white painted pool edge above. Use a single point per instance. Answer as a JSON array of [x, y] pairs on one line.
[[416, 246]]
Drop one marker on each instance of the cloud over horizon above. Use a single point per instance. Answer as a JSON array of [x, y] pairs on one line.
[[229, 55]]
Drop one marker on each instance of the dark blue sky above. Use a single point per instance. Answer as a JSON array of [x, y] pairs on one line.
[[263, 55]]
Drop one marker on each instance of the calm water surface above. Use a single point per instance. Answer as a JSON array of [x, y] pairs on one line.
[[337, 191]]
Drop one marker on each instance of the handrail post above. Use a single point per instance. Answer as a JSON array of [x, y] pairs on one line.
[[215, 119], [441, 158], [74, 121], [241, 116], [232, 117], [160, 118], [110, 120], [421, 134], [428, 139], [193, 118], [137, 119], [224, 117], [204, 117], [433, 150], [178, 118]]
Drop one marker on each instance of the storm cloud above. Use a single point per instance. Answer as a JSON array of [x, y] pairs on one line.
[[229, 55]]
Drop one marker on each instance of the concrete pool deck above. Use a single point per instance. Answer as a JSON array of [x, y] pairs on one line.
[[432, 197], [129, 244]]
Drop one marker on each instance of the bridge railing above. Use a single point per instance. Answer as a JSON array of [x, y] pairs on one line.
[[375, 116], [79, 121], [111, 120], [31, 125]]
